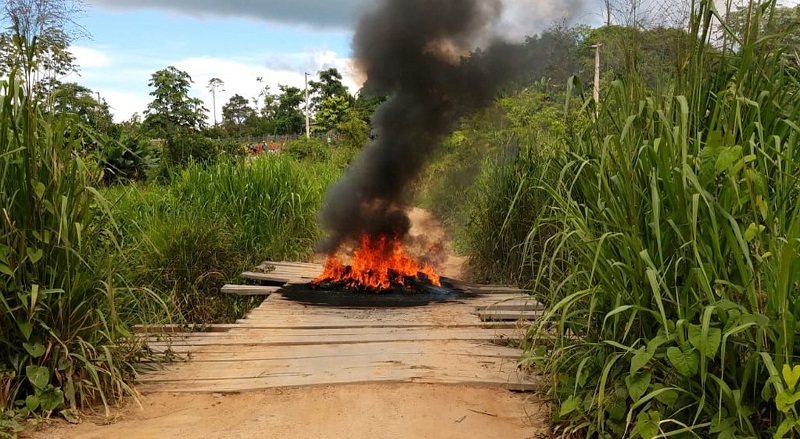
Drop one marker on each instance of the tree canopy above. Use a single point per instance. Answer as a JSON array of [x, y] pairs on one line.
[[172, 108]]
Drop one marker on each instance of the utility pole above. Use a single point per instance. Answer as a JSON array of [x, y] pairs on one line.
[[215, 85], [597, 73], [308, 121]]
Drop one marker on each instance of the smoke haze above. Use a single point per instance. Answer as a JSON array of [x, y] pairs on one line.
[[422, 54]]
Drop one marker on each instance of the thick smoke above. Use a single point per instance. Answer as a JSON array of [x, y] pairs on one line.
[[422, 54]]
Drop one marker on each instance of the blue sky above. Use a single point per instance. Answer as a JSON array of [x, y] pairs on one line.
[[240, 40], [236, 41], [127, 46]]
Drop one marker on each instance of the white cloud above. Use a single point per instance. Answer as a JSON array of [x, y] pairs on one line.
[[124, 103], [88, 57], [240, 75]]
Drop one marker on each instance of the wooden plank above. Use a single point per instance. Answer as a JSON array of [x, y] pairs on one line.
[[172, 329], [245, 324], [249, 290], [352, 338], [512, 305], [263, 277], [250, 353], [509, 315], [408, 363], [290, 264], [256, 384]]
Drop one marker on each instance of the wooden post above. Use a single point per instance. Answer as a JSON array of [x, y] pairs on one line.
[[308, 122], [597, 73]]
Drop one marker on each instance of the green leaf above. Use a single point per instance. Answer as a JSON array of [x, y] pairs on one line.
[[686, 363], [786, 400], [655, 343], [569, 406], [39, 188], [785, 427], [25, 328], [51, 400], [753, 231], [791, 376], [32, 402], [5, 269], [34, 255], [38, 376], [647, 424], [727, 158], [668, 397], [640, 359], [638, 384], [616, 409], [708, 345], [35, 350], [720, 423]]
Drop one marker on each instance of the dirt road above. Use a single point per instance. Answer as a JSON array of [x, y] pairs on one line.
[[338, 412]]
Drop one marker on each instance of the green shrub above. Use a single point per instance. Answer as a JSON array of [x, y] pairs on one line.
[[678, 222], [131, 157], [63, 344], [210, 223], [506, 203], [190, 146], [308, 150]]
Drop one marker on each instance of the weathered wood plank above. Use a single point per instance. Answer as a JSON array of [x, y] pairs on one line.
[[509, 315], [289, 343], [245, 324], [172, 329], [290, 264], [249, 290], [313, 337], [263, 277], [256, 384], [248, 353]]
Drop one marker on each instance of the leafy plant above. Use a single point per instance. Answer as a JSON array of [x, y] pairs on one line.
[[189, 238], [61, 343], [308, 149], [676, 250]]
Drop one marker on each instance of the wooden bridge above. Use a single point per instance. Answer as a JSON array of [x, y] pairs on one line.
[[302, 337]]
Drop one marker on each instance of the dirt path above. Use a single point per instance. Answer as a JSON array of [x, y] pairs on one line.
[[336, 412]]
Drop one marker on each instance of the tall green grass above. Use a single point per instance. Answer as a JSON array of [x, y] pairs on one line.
[[63, 344], [679, 226], [210, 223]]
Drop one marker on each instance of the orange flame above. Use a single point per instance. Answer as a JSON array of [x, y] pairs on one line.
[[377, 264]]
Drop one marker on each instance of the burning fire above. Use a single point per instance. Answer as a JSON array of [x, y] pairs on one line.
[[378, 264]]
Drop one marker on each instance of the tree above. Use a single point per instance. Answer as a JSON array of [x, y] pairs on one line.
[[36, 42], [366, 103], [72, 98], [331, 112], [329, 85], [783, 25], [172, 108], [288, 119], [236, 113], [215, 85], [330, 99]]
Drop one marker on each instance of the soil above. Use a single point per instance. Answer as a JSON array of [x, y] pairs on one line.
[[333, 412]]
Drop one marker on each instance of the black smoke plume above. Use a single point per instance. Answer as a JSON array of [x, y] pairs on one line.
[[422, 54]]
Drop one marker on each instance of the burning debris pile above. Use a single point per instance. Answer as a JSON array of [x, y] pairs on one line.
[[424, 55], [378, 264]]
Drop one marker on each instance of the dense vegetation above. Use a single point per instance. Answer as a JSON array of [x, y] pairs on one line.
[[662, 236], [660, 226]]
